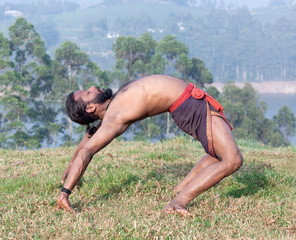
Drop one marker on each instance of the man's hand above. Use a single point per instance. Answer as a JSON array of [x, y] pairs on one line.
[[65, 174], [63, 202]]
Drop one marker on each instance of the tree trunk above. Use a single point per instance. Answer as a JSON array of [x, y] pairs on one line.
[[70, 122], [168, 125], [55, 140], [70, 130], [148, 129]]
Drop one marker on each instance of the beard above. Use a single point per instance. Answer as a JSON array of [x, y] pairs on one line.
[[103, 96]]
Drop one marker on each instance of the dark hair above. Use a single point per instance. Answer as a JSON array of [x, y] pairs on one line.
[[91, 130], [76, 110]]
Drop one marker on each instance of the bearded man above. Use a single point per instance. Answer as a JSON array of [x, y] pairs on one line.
[[194, 111]]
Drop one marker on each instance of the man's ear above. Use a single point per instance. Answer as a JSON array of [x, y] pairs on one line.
[[90, 108]]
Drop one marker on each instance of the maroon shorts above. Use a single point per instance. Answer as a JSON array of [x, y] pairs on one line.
[[193, 111], [191, 117]]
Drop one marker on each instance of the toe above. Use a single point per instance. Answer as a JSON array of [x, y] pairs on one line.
[[183, 212]]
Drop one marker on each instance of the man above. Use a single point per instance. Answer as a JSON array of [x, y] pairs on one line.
[[193, 111]]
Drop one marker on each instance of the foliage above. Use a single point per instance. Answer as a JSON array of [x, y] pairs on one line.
[[286, 122], [132, 55], [74, 70], [24, 57], [247, 115], [34, 88]]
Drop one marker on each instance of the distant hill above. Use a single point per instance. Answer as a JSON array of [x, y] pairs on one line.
[[235, 43], [249, 3]]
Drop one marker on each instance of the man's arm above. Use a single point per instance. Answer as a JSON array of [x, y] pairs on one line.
[[101, 138], [79, 147], [107, 132]]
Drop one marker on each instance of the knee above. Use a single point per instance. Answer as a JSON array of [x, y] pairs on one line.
[[234, 163], [239, 160]]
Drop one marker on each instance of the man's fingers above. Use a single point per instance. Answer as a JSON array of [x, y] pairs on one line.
[[63, 203], [64, 177], [63, 207]]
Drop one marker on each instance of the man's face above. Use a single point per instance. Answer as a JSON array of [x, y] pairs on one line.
[[87, 95], [93, 95]]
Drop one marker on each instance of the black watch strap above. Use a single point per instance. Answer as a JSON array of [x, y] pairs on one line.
[[66, 190]]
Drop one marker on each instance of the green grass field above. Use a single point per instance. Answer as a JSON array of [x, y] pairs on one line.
[[128, 183]]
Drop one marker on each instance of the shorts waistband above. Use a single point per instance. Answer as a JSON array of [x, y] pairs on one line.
[[184, 96]]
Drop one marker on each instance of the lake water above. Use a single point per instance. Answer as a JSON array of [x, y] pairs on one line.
[[276, 101]]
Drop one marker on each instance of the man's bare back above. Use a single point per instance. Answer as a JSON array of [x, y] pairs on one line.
[[137, 100]]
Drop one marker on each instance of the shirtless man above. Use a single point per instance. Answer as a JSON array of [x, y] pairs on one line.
[[192, 111]]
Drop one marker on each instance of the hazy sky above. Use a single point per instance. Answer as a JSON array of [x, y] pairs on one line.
[[84, 3]]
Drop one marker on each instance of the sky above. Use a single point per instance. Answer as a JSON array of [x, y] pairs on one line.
[[84, 3]]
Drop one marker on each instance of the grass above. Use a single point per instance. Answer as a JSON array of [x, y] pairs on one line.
[[128, 183]]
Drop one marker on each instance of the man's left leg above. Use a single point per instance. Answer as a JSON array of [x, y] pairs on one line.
[[230, 160], [201, 164]]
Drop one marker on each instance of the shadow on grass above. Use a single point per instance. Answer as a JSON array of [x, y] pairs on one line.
[[116, 189], [171, 171], [111, 190], [253, 177]]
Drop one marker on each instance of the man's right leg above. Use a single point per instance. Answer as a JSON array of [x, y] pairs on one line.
[[202, 163], [230, 160]]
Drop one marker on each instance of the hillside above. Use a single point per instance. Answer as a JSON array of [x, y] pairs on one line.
[[233, 41], [128, 183]]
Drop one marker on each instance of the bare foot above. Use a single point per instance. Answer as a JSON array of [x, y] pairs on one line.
[[173, 208], [63, 202]]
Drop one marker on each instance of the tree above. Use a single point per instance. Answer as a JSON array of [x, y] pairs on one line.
[[25, 42], [286, 122], [270, 134], [194, 70], [3, 135], [136, 58], [133, 57], [73, 70], [243, 110], [246, 114], [171, 49], [24, 53], [212, 91], [5, 53]]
